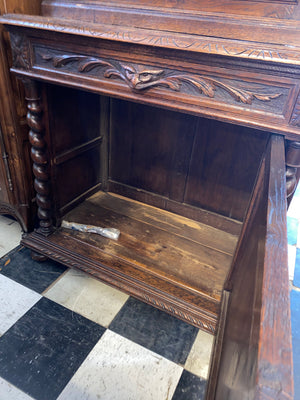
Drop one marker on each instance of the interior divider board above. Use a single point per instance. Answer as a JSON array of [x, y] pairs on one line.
[[156, 245]]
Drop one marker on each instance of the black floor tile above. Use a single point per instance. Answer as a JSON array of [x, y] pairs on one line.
[[42, 351], [19, 266], [155, 330], [190, 387]]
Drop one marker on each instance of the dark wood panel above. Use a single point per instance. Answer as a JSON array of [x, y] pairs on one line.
[[74, 117], [223, 167], [256, 359], [158, 152], [76, 176], [150, 148]]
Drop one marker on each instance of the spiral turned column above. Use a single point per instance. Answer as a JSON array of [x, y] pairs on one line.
[[292, 157], [39, 157]]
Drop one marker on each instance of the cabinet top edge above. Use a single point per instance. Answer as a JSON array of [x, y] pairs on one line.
[[269, 52]]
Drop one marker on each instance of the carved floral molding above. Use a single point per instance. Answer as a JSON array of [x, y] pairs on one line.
[[140, 78]]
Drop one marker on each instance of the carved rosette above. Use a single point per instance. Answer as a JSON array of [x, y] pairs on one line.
[[39, 157], [20, 51], [292, 164]]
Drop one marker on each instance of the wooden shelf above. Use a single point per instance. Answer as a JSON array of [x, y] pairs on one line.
[[159, 251]]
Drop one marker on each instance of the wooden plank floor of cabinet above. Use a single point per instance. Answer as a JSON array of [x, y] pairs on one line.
[[157, 251]]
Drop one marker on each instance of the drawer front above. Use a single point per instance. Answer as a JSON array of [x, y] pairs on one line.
[[218, 90]]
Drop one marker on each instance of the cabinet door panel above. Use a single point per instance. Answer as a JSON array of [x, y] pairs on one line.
[[253, 356]]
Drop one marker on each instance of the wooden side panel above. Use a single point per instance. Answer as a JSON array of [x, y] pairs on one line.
[[75, 137], [256, 355], [223, 167]]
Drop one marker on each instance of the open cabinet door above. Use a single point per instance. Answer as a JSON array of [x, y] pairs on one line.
[[253, 353]]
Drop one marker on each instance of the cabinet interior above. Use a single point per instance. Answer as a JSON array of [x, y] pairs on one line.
[[177, 186]]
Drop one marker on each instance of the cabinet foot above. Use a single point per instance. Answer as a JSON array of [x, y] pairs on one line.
[[38, 256]]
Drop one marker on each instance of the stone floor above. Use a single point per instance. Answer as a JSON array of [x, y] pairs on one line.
[[64, 335], [67, 336]]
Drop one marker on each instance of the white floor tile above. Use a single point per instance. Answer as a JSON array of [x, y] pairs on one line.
[[15, 301], [10, 392], [118, 369], [294, 208], [10, 235], [4, 220], [198, 360], [87, 296], [291, 260]]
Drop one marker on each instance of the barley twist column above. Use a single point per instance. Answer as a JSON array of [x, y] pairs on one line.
[[39, 157], [292, 156]]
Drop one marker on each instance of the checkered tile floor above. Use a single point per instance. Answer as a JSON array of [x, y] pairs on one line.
[[66, 336]]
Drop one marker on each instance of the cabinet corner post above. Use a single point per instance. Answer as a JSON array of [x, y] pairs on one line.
[[40, 156]]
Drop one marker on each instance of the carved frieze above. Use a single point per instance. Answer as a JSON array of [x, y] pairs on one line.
[[140, 78]]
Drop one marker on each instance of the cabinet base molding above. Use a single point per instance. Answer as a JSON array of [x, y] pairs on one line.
[[182, 310]]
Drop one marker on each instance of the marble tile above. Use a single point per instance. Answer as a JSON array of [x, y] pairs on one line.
[[294, 208], [291, 261], [155, 330], [292, 230], [296, 280], [87, 296], [15, 301], [118, 369], [19, 266], [198, 360], [10, 235], [41, 352], [10, 392], [190, 387]]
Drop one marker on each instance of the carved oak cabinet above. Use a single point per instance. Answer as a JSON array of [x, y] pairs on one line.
[[16, 192], [177, 122]]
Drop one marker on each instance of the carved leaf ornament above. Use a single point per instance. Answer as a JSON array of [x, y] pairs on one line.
[[140, 80]]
